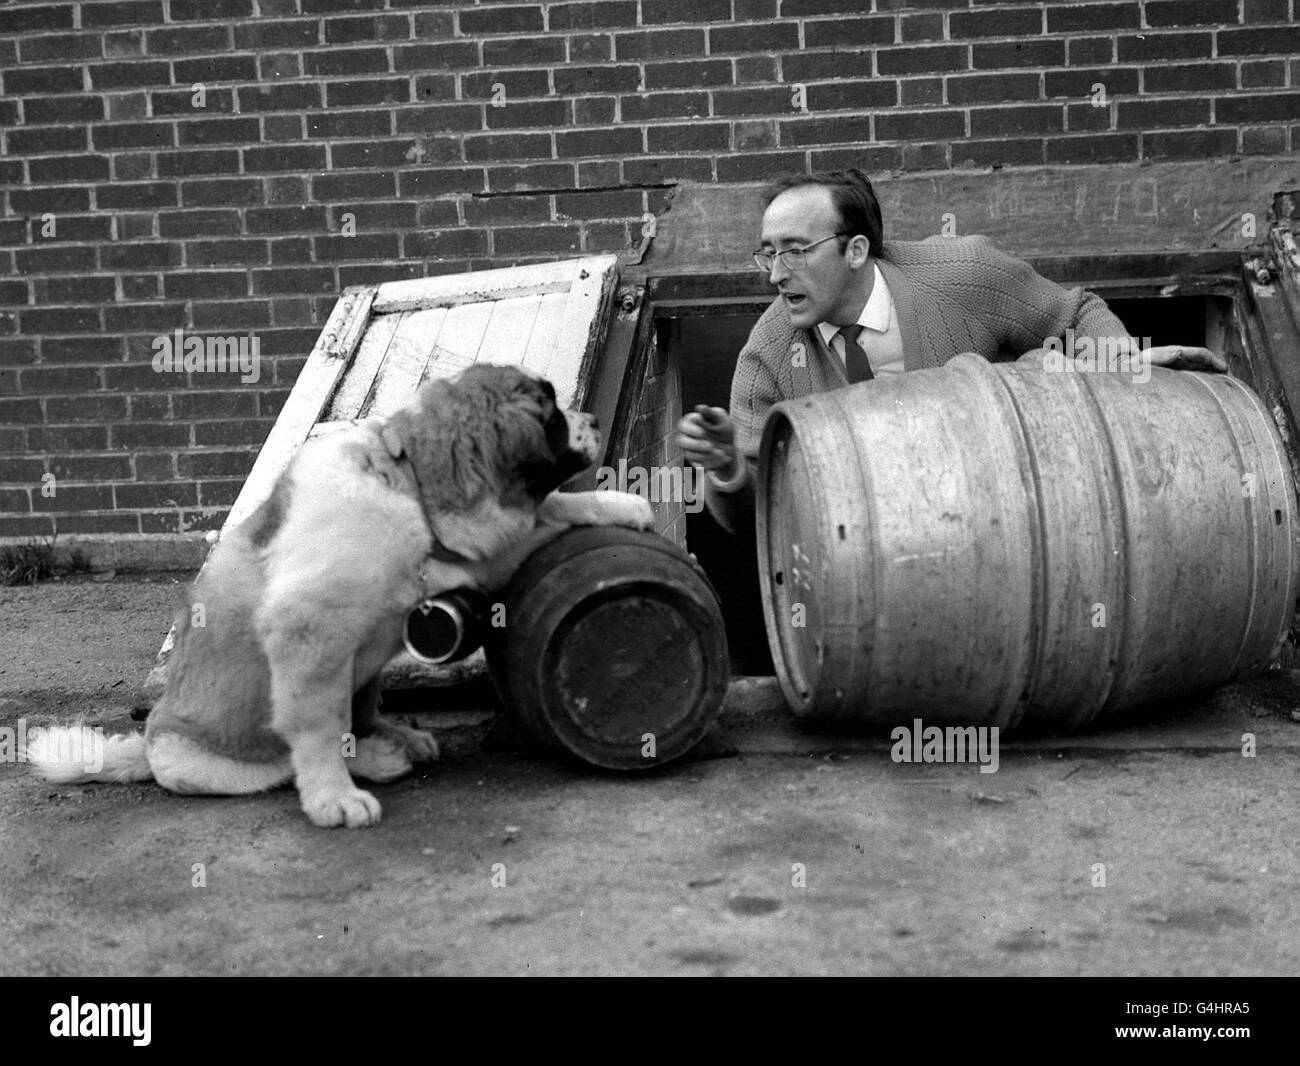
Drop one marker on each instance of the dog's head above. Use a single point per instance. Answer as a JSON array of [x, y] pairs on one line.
[[493, 433]]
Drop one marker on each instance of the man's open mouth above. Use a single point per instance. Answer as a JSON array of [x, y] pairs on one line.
[[795, 300]]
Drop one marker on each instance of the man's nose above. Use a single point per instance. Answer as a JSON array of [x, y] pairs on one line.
[[778, 273]]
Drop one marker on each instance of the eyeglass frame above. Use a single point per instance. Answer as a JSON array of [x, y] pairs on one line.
[[776, 257]]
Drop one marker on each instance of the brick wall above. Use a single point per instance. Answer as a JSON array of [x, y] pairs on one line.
[[227, 166]]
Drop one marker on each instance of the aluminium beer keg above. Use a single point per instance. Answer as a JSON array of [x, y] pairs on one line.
[[980, 542], [613, 649]]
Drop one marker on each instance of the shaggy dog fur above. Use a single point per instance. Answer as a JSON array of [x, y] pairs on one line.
[[275, 672]]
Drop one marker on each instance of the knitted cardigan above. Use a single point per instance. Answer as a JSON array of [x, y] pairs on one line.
[[952, 295]]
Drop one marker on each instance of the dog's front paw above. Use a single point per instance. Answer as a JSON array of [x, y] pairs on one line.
[[352, 807], [379, 758], [627, 509], [420, 745]]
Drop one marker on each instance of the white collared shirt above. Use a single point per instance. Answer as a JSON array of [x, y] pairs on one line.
[[883, 343]]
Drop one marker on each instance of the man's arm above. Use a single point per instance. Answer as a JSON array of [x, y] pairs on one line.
[[1049, 310], [753, 392]]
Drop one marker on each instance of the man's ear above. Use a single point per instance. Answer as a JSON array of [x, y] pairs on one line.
[[859, 249]]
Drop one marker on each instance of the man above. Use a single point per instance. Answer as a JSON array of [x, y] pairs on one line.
[[851, 307]]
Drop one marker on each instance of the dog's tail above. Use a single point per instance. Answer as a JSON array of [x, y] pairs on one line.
[[72, 754]]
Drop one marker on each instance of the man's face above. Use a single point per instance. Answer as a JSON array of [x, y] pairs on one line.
[[820, 291]]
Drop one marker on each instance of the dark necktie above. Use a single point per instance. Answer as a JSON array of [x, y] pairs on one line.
[[856, 363]]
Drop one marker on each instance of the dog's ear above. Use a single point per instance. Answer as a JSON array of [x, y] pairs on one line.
[[393, 439]]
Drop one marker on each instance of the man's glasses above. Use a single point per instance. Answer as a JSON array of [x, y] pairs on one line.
[[791, 258]]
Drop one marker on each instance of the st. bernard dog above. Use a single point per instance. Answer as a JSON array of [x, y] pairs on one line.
[[279, 647]]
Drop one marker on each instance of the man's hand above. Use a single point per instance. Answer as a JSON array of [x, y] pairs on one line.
[[1186, 357], [707, 438]]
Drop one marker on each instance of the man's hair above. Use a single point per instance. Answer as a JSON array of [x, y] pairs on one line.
[[852, 195]]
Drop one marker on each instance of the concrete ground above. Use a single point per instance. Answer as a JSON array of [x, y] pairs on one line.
[[774, 851]]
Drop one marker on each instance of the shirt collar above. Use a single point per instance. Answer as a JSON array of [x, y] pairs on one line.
[[877, 314]]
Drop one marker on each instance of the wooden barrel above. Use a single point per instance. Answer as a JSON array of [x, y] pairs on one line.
[[613, 648], [978, 542]]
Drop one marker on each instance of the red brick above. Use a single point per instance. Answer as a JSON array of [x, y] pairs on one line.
[[360, 186], [651, 170], [367, 92], [39, 110], [1075, 17], [1165, 46], [219, 131], [653, 106], [85, 408], [1093, 148], [759, 166], [122, 13], [658, 12], [1151, 114], [445, 243], [763, 101], [936, 59], [518, 83], [1016, 55], [1279, 40], [508, 146], [822, 66], [84, 289], [1004, 22], [923, 125], [48, 139], [1191, 12], [1255, 109], [501, 20], [1191, 77], [74, 498], [1189, 144], [689, 137], [296, 157], [1079, 81], [449, 55], [813, 131], [294, 33], [1081, 118], [30, 81], [188, 40], [124, 75], [442, 181], [534, 240], [1266, 74], [236, 192], [367, 28], [854, 95], [623, 141], [589, 48], [59, 320], [574, 80], [927, 27], [991, 88], [205, 10], [211, 69], [999, 153], [687, 74], [522, 51], [621, 203], [39, 201], [764, 37], [588, 16], [65, 168], [222, 253], [660, 44]]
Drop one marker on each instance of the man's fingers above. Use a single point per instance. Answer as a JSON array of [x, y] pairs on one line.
[[1188, 357]]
